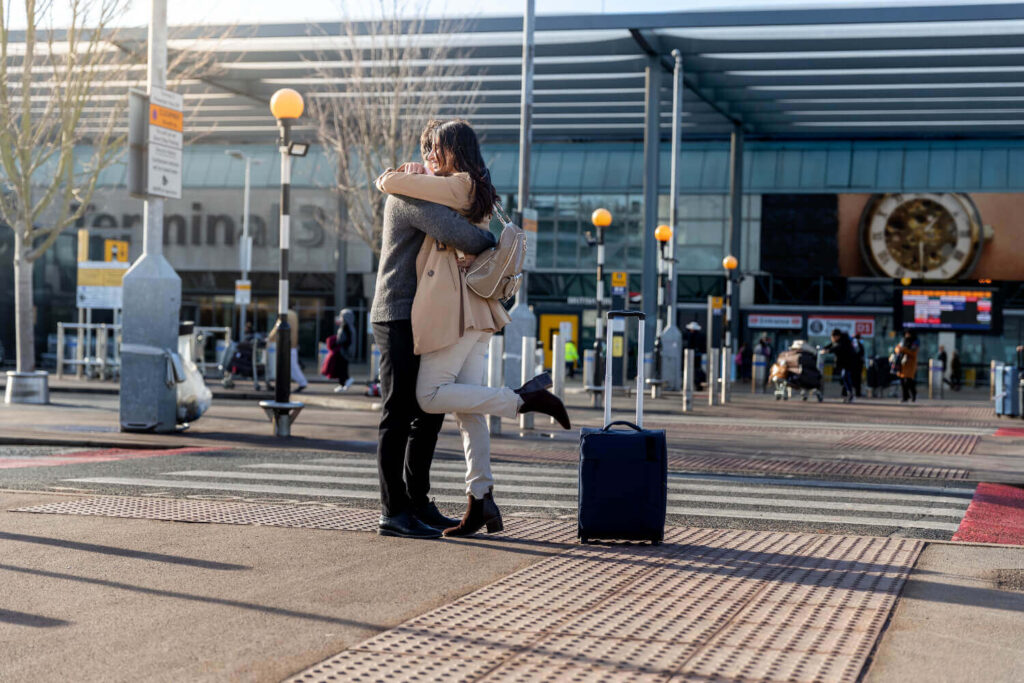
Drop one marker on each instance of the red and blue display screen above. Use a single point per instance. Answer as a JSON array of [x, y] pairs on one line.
[[949, 308]]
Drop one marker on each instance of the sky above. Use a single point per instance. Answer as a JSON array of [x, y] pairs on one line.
[[275, 11]]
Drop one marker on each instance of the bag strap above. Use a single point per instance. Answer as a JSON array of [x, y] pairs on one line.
[[502, 216]]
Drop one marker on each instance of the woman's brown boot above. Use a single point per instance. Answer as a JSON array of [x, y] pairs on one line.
[[480, 512]]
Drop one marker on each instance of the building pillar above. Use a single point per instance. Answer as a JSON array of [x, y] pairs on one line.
[[652, 145]]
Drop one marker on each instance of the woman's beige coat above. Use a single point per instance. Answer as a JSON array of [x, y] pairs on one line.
[[444, 307]]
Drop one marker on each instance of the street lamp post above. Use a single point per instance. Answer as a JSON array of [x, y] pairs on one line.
[[663, 234], [286, 105], [601, 218], [729, 263], [246, 245]]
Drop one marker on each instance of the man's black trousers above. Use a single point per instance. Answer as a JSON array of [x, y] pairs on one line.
[[407, 435]]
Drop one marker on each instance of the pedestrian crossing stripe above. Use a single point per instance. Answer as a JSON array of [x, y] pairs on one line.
[[555, 488]]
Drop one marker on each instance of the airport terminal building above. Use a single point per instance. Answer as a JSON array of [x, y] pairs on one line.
[[864, 160]]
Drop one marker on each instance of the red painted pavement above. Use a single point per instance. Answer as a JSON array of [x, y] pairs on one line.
[[995, 515], [1010, 431], [106, 455]]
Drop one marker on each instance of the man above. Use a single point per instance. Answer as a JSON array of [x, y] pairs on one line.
[[571, 356], [407, 435], [858, 363], [842, 347]]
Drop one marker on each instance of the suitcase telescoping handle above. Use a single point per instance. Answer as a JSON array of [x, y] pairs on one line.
[[639, 366]]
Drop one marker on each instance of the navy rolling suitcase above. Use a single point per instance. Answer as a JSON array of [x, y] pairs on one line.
[[623, 472]]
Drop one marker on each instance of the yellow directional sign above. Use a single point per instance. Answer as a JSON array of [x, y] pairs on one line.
[[717, 302], [115, 250], [620, 279], [83, 244]]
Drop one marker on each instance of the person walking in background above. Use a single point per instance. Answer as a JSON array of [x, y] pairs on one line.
[[743, 360], [907, 351], [953, 378], [765, 350], [293, 325], [452, 325], [571, 357], [695, 340], [340, 351], [842, 348], [858, 363]]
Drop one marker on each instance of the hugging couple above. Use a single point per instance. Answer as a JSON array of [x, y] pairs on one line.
[[433, 331]]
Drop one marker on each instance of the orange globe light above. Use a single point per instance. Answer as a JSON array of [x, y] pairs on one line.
[[286, 104], [663, 233], [730, 262], [601, 218], [905, 281]]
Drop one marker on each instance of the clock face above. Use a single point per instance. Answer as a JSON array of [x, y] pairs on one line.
[[925, 236]]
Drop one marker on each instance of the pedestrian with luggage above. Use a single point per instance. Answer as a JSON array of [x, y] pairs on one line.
[[340, 350], [452, 325], [296, 369], [907, 351]]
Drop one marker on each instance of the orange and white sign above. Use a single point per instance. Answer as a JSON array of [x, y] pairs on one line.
[[99, 284], [164, 160], [166, 118]]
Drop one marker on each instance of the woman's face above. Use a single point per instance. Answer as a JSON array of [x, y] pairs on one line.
[[439, 162]]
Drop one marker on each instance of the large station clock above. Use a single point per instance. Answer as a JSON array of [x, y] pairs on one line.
[[921, 235]]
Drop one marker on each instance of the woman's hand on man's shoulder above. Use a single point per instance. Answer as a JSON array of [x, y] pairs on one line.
[[413, 167]]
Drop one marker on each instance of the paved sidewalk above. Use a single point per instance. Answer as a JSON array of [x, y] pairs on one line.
[[228, 600]]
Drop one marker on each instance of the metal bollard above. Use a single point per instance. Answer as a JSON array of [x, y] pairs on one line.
[[589, 361], [688, 371], [992, 379], [759, 374], [726, 367], [526, 374], [558, 368], [495, 362], [60, 350], [712, 374], [935, 370], [374, 363]]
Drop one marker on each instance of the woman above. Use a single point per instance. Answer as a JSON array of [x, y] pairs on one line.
[[907, 350], [340, 347], [452, 325]]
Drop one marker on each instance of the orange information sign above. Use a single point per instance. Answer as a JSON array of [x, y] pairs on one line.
[[170, 119]]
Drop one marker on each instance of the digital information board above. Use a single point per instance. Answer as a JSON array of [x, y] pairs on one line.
[[946, 308]]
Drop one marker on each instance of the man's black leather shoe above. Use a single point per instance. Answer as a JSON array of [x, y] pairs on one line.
[[431, 516], [406, 525]]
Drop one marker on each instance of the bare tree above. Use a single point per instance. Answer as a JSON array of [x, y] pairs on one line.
[[381, 80], [62, 122]]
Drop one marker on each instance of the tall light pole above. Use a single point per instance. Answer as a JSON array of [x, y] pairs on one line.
[[246, 245], [729, 263], [671, 337], [663, 234], [601, 218], [286, 105]]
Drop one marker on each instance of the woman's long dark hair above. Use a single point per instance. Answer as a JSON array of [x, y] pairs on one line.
[[457, 143]]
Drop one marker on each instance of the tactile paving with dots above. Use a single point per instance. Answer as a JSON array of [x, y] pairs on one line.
[[705, 605], [318, 516]]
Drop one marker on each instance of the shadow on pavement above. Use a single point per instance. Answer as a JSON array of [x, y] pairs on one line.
[[34, 620], [120, 552], [189, 596]]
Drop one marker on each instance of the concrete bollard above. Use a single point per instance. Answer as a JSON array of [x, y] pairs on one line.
[[495, 362], [760, 373], [655, 382], [935, 370], [726, 374], [688, 371], [589, 361], [712, 375], [526, 374]]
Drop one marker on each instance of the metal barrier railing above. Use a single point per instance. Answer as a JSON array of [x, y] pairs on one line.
[[95, 352]]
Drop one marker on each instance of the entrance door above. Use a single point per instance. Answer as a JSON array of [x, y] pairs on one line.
[[549, 323]]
